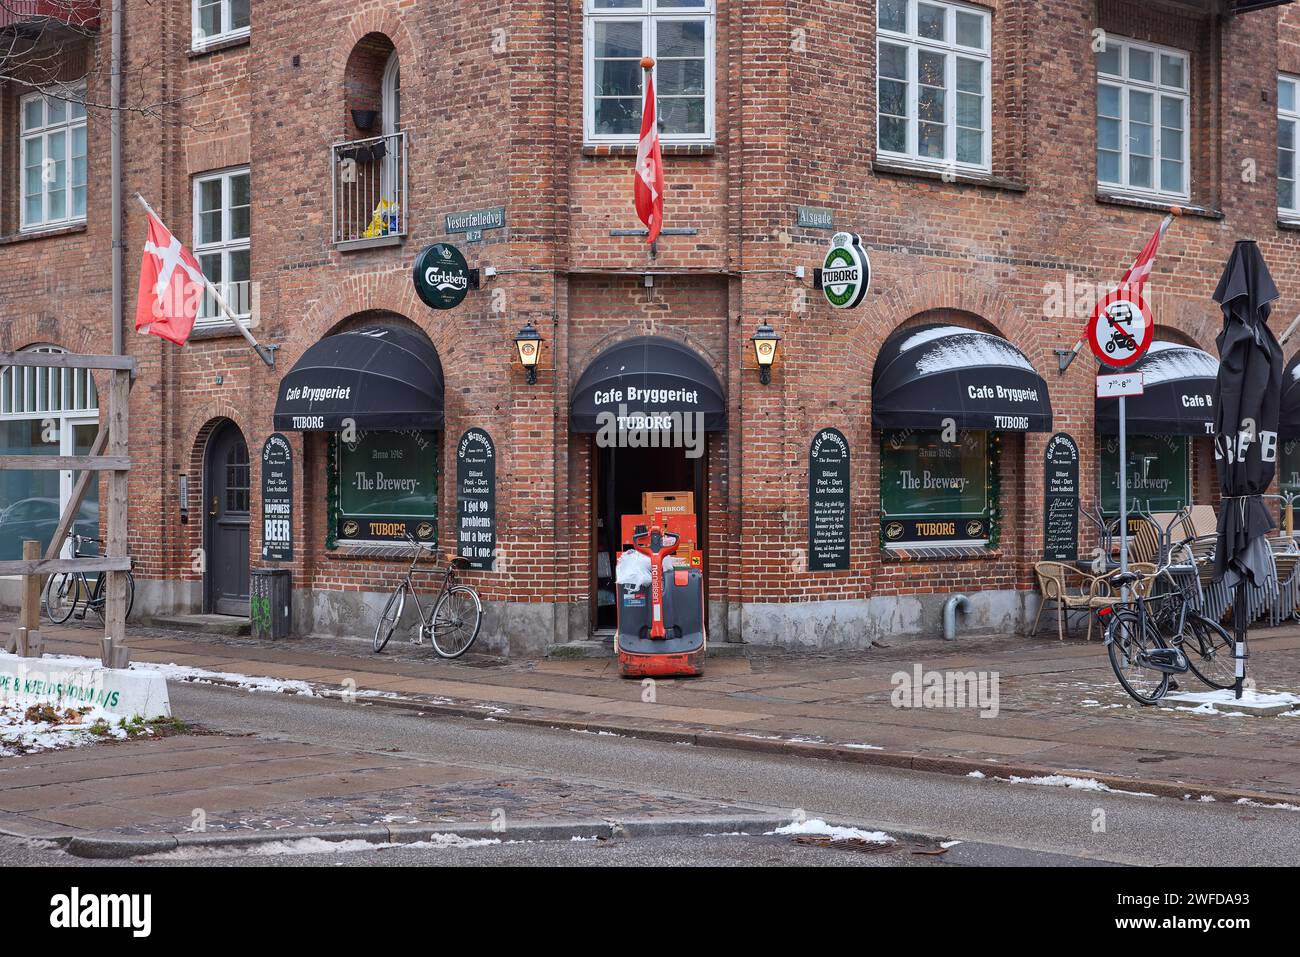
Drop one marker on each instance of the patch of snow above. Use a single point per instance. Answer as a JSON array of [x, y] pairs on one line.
[[1205, 700], [818, 827], [863, 747], [317, 845], [1172, 361], [947, 844], [1247, 802], [975, 774], [185, 673], [18, 735], [954, 347], [1076, 784]]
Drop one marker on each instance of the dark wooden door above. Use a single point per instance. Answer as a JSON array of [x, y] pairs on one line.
[[227, 493]]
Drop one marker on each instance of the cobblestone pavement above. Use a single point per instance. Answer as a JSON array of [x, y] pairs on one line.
[[1059, 707]]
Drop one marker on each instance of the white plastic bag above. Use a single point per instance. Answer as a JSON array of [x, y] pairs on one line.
[[633, 569]]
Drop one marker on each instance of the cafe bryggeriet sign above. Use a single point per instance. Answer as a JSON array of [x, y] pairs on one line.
[[476, 499], [828, 502], [1061, 499], [388, 487], [277, 499]]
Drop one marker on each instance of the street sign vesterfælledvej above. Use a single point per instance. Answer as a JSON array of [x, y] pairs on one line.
[[1121, 328]]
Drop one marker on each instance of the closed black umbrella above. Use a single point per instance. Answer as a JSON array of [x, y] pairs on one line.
[[1247, 401]]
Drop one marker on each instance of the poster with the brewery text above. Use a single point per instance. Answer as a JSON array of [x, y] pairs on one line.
[[1061, 499], [828, 502], [476, 499], [277, 499]]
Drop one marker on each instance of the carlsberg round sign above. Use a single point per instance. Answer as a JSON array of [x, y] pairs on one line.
[[846, 273], [441, 276]]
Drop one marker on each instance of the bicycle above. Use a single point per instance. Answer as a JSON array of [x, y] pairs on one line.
[[66, 590], [1162, 634], [457, 613]]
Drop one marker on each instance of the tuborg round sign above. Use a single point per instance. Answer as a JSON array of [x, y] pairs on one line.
[[846, 273], [441, 276]]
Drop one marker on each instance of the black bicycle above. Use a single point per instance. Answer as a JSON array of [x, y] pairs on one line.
[[1159, 634], [456, 614], [68, 591]]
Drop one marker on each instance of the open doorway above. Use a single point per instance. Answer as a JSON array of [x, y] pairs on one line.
[[622, 476]]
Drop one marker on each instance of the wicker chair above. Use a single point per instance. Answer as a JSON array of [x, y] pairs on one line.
[[1084, 595]]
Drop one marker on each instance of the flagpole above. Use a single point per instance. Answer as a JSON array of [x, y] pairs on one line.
[[266, 354]]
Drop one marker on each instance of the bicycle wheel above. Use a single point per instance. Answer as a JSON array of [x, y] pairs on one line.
[[61, 597], [1209, 649], [100, 605], [1126, 639], [456, 621], [391, 616]]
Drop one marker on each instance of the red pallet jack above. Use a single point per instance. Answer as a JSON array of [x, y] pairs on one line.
[[661, 625]]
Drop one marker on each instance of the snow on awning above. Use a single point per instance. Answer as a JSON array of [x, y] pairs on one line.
[[1177, 393], [927, 374]]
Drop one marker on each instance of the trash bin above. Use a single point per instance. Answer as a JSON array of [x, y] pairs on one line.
[[270, 603]]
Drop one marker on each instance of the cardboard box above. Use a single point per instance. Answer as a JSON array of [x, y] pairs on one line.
[[670, 503]]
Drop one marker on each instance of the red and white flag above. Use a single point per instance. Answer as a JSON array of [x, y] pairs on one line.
[[650, 166], [1138, 273], [171, 286]]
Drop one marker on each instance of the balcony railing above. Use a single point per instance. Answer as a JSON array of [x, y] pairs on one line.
[[369, 191], [74, 13]]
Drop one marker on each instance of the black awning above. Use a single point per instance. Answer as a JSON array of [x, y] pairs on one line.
[[646, 380], [380, 378], [1177, 393], [930, 373], [1289, 424]]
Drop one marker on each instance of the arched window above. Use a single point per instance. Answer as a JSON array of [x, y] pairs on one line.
[[44, 412]]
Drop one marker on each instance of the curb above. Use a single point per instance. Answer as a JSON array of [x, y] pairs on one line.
[[106, 846]]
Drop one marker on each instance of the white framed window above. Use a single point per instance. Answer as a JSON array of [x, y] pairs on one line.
[[215, 20], [1288, 123], [53, 134], [1143, 119], [679, 35], [932, 84], [222, 221], [44, 411]]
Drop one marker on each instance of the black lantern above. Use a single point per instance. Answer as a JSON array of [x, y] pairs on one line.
[[529, 344], [766, 342]]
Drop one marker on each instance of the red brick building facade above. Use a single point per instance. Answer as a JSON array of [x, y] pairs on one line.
[[981, 183]]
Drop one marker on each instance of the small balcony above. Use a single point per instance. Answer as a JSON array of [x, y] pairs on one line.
[[82, 14], [369, 192]]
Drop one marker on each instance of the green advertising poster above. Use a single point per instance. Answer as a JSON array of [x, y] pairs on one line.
[[388, 486], [1158, 475], [931, 490]]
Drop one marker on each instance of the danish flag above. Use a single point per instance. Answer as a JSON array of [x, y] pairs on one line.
[[171, 286], [1137, 275], [650, 166]]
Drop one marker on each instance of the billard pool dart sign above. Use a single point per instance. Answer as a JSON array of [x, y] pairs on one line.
[[442, 276], [846, 272], [1121, 327]]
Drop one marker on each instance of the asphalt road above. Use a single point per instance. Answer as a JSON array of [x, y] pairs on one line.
[[997, 822]]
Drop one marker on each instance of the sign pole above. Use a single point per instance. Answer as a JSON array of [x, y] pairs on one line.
[[1123, 489]]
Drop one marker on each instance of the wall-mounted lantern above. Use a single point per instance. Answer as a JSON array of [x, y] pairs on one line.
[[766, 343], [529, 344]]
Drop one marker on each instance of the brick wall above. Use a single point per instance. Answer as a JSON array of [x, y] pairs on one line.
[[492, 102]]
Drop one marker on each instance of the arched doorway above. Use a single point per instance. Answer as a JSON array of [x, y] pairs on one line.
[[226, 496]]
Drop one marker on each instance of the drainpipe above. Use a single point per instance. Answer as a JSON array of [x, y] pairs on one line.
[[115, 149], [953, 605]]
